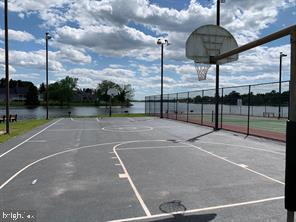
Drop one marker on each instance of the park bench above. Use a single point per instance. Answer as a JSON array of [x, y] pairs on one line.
[[268, 114], [2, 119], [12, 118]]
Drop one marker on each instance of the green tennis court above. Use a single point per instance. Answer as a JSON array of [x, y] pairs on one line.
[[260, 123]]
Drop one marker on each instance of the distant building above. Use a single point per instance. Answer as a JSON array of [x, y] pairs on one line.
[[15, 94]]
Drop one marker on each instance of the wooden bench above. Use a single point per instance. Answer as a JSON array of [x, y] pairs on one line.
[[2, 118], [268, 114], [12, 118]]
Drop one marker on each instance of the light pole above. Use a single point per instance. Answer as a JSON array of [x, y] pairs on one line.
[[6, 64], [217, 73], [280, 83], [47, 37], [162, 43]]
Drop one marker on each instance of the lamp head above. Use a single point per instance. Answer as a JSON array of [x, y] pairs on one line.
[[159, 42], [47, 36]]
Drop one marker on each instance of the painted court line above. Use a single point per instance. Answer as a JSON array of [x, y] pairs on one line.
[[231, 162], [8, 151], [65, 130], [122, 175], [245, 147], [37, 141], [63, 152], [200, 209], [140, 199], [152, 147]]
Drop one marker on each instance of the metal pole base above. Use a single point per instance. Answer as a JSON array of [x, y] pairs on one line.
[[290, 187], [290, 216]]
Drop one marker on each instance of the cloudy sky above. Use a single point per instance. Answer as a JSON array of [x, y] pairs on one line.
[[115, 40]]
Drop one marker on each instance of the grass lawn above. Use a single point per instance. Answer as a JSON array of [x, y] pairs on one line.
[[20, 127]]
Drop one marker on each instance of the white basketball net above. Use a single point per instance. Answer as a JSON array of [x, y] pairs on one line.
[[202, 70]]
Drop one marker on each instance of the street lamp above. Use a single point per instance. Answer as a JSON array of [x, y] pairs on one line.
[[47, 37], [162, 43], [6, 64], [280, 83]]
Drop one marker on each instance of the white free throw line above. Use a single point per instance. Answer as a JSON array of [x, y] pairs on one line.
[[152, 147], [140, 199], [201, 209], [236, 164], [8, 151]]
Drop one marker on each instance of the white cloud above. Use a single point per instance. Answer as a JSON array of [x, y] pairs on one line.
[[31, 60], [106, 40], [73, 55], [21, 36]]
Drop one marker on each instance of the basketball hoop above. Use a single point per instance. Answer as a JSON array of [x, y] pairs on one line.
[[202, 70], [209, 41]]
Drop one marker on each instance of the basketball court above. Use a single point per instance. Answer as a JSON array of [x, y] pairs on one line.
[[142, 169]]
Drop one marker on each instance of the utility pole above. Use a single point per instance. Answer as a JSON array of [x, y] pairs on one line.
[[47, 37], [161, 43], [280, 83], [6, 64]]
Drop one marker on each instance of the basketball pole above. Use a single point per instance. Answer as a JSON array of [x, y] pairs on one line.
[[290, 191], [217, 77]]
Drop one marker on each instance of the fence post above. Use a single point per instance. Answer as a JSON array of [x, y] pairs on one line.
[[149, 105], [176, 106], [202, 96], [249, 103], [222, 101], [168, 106], [146, 107], [187, 105], [154, 107]]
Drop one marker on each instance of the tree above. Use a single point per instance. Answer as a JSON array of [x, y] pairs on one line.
[[42, 90], [126, 94], [32, 95], [62, 90], [102, 90]]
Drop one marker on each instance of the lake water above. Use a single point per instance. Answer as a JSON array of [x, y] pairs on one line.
[[56, 111]]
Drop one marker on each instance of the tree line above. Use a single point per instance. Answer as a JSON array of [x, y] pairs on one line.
[[66, 92], [270, 98]]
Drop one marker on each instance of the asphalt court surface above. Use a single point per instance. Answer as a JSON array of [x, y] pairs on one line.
[[142, 169]]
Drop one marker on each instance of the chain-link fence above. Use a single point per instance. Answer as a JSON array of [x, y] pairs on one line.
[[260, 110]]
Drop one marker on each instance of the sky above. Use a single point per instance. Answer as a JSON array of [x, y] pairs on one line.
[[96, 40]]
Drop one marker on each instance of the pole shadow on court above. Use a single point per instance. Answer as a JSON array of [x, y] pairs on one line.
[[200, 136], [177, 206]]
